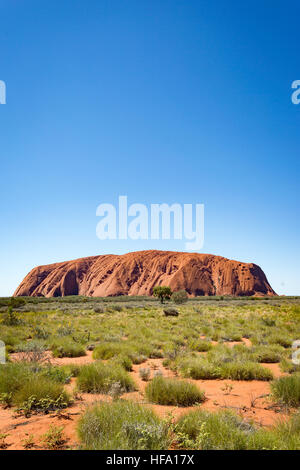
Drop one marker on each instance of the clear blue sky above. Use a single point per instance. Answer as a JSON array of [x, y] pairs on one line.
[[163, 101]]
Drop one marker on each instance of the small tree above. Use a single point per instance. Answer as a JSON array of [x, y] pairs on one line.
[[162, 292], [180, 297]]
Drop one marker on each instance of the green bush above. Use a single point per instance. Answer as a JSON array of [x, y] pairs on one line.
[[41, 394], [108, 350], [287, 390], [67, 348], [287, 366], [198, 369], [13, 376], [200, 345], [11, 318], [204, 430], [57, 374], [245, 371], [137, 353], [180, 297], [225, 430], [267, 354], [281, 339], [26, 386], [123, 361], [99, 378], [122, 425], [165, 391]]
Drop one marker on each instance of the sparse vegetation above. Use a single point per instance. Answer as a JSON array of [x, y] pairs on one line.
[[213, 338], [165, 391], [122, 425], [99, 378], [287, 390]]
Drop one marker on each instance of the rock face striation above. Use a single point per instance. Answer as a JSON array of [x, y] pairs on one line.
[[138, 272]]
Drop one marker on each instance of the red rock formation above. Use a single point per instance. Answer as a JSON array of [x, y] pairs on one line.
[[137, 273]]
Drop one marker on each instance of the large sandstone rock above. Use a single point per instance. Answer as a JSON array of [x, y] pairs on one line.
[[137, 273]]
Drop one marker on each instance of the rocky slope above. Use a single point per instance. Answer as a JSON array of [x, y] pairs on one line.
[[138, 272]]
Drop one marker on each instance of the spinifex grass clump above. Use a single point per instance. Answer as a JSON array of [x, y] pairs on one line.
[[13, 376], [67, 348], [135, 351], [27, 388], [199, 345], [245, 371], [165, 391], [122, 425], [99, 378], [268, 354], [287, 390], [225, 430], [198, 368], [203, 430]]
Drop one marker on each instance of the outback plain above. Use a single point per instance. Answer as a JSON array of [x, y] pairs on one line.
[[134, 373]]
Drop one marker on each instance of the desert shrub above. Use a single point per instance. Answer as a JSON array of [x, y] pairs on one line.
[[144, 373], [122, 425], [281, 339], [57, 374], [137, 358], [114, 308], [64, 330], [30, 390], [123, 361], [245, 371], [171, 312], [40, 332], [10, 318], [287, 366], [200, 345], [71, 370], [165, 391], [99, 378], [267, 321], [38, 390], [99, 309], [267, 354], [231, 336], [67, 348], [53, 439], [198, 369], [284, 435], [180, 297], [137, 353], [158, 373], [108, 350], [204, 430], [287, 390], [13, 376]]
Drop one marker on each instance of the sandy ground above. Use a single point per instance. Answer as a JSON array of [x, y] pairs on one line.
[[248, 398]]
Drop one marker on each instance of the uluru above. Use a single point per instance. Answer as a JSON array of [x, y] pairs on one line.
[[138, 272]]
